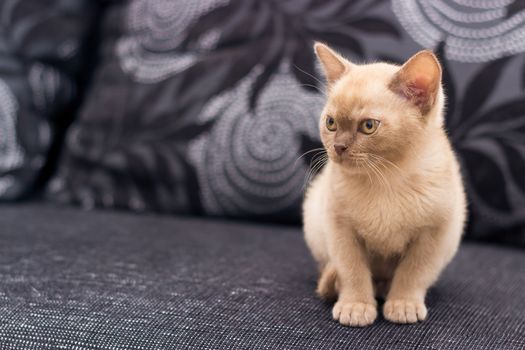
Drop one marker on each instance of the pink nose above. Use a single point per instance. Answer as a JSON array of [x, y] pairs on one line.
[[339, 148]]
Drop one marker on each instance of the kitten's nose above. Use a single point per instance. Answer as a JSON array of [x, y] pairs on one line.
[[340, 148]]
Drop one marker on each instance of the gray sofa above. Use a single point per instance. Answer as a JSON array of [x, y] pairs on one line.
[[73, 279], [210, 108]]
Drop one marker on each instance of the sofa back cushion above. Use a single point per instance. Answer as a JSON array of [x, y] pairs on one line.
[[209, 107], [40, 45]]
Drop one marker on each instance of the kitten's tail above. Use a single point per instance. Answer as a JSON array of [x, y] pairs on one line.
[[327, 284]]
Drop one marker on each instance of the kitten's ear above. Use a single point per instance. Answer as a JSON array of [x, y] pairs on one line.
[[334, 65], [418, 80]]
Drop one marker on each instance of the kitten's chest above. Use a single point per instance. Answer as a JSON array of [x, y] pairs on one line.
[[388, 221]]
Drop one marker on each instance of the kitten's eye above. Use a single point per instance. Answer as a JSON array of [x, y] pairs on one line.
[[369, 126], [330, 124]]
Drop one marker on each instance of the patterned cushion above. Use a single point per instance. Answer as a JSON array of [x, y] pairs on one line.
[[40, 43], [209, 106]]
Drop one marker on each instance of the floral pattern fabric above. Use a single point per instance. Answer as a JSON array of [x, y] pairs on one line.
[[39, 44], [209, 107]]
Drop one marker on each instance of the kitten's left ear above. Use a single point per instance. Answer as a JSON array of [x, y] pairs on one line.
[[418, 80]]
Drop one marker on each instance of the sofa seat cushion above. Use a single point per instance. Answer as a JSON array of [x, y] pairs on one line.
[[108, 280]]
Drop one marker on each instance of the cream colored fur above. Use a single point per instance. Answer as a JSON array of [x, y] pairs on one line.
[[386, 217]]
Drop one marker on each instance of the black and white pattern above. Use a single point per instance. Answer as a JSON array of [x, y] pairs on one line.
[[217, 100], [474, 31], [11, 156], [204, 107], [150, 52], [248, 162], [39, 45], [49, 87]]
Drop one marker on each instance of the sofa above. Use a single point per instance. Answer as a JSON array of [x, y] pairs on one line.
[[73, 279], [154, 155]]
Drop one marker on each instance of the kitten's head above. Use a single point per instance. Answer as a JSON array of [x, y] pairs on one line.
[[378, 111]]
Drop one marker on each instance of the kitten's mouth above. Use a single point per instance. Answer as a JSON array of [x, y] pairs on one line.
[[351, 156], [357, 157], [351, 160]]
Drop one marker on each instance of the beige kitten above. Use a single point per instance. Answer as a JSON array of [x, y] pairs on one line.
[[386, 213]]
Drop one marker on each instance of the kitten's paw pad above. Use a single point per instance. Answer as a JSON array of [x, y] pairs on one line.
[[405, 311], [354, 314]]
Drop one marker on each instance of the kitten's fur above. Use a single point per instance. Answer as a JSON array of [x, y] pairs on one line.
[[385, 217]]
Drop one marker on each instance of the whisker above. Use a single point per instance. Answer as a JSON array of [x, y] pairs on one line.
[[385, 179], [366, 172], [381, 160], [318, 164], [379, 175], [313, 163], [321, 162], [311, 75], [315, 87], [317, 157], [321, 150]]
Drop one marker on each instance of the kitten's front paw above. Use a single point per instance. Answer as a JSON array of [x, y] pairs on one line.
[[354, 314], [405, 311]]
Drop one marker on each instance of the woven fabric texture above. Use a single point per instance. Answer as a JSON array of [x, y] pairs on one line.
[[99, 280]]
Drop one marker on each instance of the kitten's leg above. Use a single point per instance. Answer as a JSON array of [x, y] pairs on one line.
[[417, 271], [326, 286], [356, 305]]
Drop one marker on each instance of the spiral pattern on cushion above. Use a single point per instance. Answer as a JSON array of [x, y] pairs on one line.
[[248, 163], [9, 149], [474, 31], [11, 154], [154, 31], [49, 87]]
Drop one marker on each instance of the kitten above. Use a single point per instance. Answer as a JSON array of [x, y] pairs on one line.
[[386, 213]]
